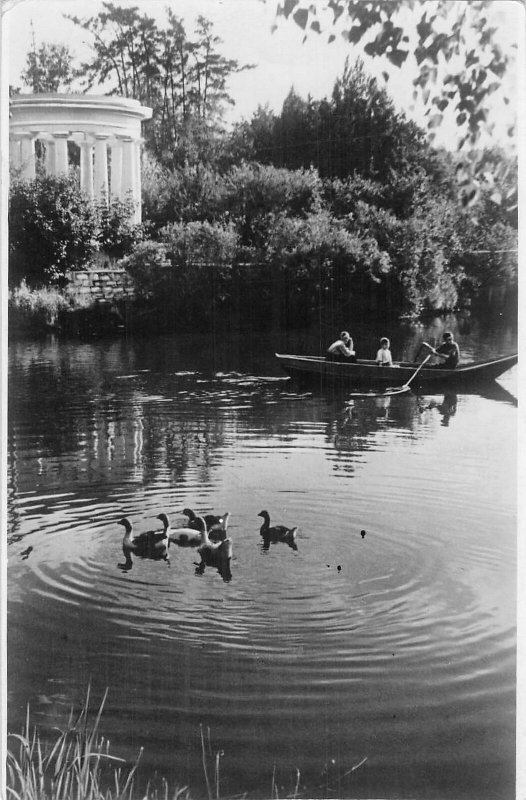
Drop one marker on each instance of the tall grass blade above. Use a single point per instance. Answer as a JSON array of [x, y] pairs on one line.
[[205, 770]]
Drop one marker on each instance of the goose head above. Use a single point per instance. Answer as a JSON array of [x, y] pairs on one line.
[[164, 519], [265, 515], [224, 520], [189, 513]]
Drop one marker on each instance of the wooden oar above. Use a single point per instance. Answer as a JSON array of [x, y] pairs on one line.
[[406, 387], [394, 389]]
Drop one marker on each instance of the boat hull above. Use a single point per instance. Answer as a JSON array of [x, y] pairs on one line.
[[366, 372]]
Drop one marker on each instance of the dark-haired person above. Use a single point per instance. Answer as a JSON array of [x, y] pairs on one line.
[[342, 349], [448, 350]]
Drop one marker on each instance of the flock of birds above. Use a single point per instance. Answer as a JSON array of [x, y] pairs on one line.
[[207, 533]]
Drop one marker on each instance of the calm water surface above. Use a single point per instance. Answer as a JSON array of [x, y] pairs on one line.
[[378, 666]]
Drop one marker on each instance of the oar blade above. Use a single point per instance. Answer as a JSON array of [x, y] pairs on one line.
[[380, 393], [397, 390]]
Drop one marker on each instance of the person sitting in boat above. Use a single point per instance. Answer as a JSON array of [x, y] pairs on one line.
[[448, 350], [342, 349], [383, 356]]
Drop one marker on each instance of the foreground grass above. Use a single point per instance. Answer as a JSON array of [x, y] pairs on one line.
[[78, 765]]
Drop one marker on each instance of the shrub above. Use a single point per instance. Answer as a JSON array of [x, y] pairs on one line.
[[40, 307], [118, 234], [52, 227], [147, 265], [318, 259], [200, 241]]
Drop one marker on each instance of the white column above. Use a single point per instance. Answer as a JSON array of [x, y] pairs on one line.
[[138, 196], [27, 157], [61, 153], [86, 167], [14, 153], [116, 170], [129, 165], [100, 181], [50, 157]]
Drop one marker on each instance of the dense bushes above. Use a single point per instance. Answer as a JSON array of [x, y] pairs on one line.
[[284, 238], [243, 193], [187, 273], [402, 242], [51, 227], [54, 227]]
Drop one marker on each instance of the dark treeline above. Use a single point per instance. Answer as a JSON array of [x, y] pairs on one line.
[[328, 207], [356, 130]]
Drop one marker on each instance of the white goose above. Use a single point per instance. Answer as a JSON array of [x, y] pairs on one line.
[[147, 543], [214, 554], [184, 537]]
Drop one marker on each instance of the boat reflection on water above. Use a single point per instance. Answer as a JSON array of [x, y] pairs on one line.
[[382, 407], [447, 408], [366, 415], [363, 417]]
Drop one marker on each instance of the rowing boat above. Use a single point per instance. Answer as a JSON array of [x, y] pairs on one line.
[[367, 372]]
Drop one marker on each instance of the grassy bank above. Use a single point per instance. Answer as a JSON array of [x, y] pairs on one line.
[[36, 312], [42, 310]]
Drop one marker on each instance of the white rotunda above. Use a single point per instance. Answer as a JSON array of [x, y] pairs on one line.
[[106, 130]]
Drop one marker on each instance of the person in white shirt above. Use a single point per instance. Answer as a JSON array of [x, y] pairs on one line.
[[342, 349], [383, 356]]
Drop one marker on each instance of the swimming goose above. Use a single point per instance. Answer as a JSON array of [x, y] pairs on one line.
[[147, 543], [216, 555], [215, 525], [276, 533], [184, 537], [213, 553]]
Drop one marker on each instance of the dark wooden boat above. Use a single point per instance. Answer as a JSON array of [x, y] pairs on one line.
[[365, 372]]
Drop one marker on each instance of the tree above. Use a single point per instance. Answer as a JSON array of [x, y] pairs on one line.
[[48, 68], [357, 131], [459, 60], [184, 80]]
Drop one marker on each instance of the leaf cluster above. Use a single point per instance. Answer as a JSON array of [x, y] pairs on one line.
[[456, 35]]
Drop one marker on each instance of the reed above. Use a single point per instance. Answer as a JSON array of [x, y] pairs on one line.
[[76, 766]]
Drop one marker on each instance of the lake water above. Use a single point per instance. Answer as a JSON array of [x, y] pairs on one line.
[[380, 665]]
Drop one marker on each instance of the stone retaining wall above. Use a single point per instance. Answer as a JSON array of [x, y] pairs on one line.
[[102, 284]]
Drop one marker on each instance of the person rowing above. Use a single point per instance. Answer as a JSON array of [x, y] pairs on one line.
[[448, 350], [342, 349]]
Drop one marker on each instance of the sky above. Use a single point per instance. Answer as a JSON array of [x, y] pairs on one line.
[[282, 58]]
